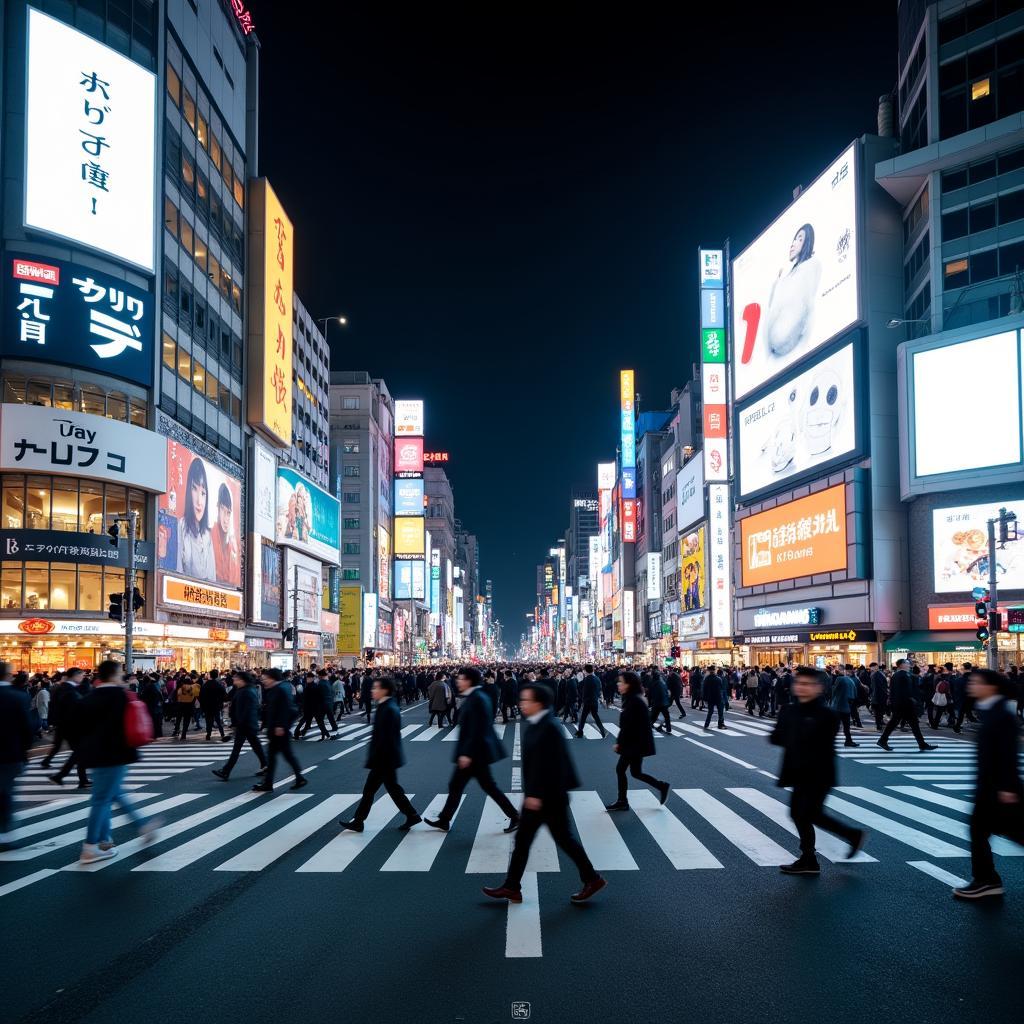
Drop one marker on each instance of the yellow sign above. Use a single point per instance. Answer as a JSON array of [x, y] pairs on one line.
[[186, 594], [350, 621], [270, 270], [409, 535], [626, 388], [693, 570]]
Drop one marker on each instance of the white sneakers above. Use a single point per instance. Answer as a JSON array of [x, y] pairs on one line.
[[91, 854]]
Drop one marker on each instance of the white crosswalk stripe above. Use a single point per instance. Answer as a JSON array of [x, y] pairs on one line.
[[677, 842], [756, 845], [421, 845], [344, 848]]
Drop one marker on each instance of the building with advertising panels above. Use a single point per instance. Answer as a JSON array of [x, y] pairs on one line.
[[653, 439], [411, 539], [440, 508], [820, 537], [959, 182], [121, 351]]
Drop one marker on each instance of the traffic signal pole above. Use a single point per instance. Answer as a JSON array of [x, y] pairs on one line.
[[129, 593], [993, 597]]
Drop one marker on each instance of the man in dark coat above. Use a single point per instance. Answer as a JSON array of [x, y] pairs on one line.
[[365, 694], [65, 710], [384, 757], [245, 721], [711, 694], [659, 701], [635, 742], [509, 695], [998, 791], [476, 749], [548, 775], [590, 694], [675, 691], [902, 691], [280, 714], [806, 730], [490, 689], [879, 687], [15, 739], [211, 702]]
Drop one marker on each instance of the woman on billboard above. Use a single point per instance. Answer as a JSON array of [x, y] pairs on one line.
[[225, 544], [195, 543], [793, 295]]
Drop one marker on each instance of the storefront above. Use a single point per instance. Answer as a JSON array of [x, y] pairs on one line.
[[934, 647], [843, 645]]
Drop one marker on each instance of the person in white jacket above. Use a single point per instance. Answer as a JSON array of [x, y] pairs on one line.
[[793, 295]]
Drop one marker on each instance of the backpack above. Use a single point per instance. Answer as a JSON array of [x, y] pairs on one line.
[[138, 726], [943, 686]]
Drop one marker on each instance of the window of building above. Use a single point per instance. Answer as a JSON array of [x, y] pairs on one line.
[[173, 85], [917, 213], [952, 180], [189, 110], [351, 547], [984, 265], [954, 224], [171, 217], [955, 272], [351, 524], [351, 471], [983, 217], [1011, 161], [350, 402], [351, 498], [350, 574]]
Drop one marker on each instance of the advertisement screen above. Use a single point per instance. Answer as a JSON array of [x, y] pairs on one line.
[[795, 286], [960, 544], [350, 621], [267, 581], [799, 538], [409, 417], [410, 581], [264, 487], [803, 424], [408, 455], [370, 619], [410, 539], [199, 528], [627, 432], [307, 517], [90, 143], [951, 434], [690, 493], [693, 570], [65, 313], [409, 497], [383, 561]]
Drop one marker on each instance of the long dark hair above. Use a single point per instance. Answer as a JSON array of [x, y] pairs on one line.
[[632, 681], [807, 249], [196, 475]]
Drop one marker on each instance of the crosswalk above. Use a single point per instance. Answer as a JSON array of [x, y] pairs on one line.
[[695, 830]]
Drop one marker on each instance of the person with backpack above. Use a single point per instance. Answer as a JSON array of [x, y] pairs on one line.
[[940, 704], [185, 696], [110, 730], [751, 683]]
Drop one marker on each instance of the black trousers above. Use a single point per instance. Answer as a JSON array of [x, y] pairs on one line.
[[280, 745], [635, 765], [241, 736], [878, 710], [213, 718], [905, 712], [58, 742], [678, 701], [73, 762], [480, 771], [807, 809], [590, 708], [388, 778], [307, 721], [985, 822], [711, 710], [658, 712], [844, 717], [440, 716], [556, 817], [507, 708], [184, 712]]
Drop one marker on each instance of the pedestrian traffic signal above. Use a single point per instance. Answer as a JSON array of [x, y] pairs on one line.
[[116, 609], [114, 533], [289, 634], [137, 599], [981, 611]]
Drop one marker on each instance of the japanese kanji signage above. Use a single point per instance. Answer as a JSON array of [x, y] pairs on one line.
[[37, 439], [90, 141], [64, 313], [271, 253], [800, 538], [81, 548]]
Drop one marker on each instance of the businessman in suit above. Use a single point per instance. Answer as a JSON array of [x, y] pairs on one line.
[[384, 757], [590, 694], [548, 775], [476, 749]]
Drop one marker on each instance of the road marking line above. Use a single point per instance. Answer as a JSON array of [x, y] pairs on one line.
[[677, 842], [410, 729], [522, 930], [598, 834], [500, 729], [452, 737], [20, 883], [613, 729], [55, 804], [353, 748], [516, 747], [344, 848], [421, 844], [942, 778], [722, 753], [66, 819], [492, 847], [430, 733], [901, 833], [762, 850], [936, 872]]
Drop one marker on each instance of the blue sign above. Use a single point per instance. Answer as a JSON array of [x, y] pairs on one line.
[[410, 581], [712, 274], [65, 313], [409, 497], [628, 481], [712, 307]]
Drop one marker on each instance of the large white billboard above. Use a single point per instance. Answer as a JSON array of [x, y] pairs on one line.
[[409, 416], [795, 286], [690, 493], [960, 546], [90, 141], [951, 432], [807, 422]]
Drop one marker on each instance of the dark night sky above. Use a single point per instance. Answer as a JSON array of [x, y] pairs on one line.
[[507, 206]]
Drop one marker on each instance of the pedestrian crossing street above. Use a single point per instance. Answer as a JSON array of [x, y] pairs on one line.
[[695, 830]]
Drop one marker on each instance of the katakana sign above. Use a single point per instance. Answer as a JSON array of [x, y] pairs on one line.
[[60, 312], [80, 548]]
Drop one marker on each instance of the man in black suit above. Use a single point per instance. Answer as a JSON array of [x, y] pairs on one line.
[[658, 694], [280, 715], [998, 791], [384, 757], [807, 730], [509, 696], [548, 775], [902, 691], [711, 694], [675, 691], [15, 739], [476, 749], [245, 721], [590, 694], [366, 693], [65, 711]]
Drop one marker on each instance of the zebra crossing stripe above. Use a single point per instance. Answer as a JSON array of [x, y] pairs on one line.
[[66, 819], [964, 806], [20, 883], [500, 729], [52, 805], [762, 850], [430, 733], [605, 847], [831, 848], [901, 833], [278, 843], [344, 848], [452, 736], [492, 848], [936, 872], [410, 729], [194, 849], [613, 729], [421, 844], [522, 928], [677, 842]]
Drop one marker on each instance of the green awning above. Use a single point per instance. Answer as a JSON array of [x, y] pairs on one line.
[[948, 641]]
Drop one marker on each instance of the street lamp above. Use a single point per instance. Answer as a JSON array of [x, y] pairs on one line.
[[898, 322], [325, 320]]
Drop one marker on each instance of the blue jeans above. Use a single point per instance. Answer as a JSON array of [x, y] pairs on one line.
[[8, 773], [106, 788]]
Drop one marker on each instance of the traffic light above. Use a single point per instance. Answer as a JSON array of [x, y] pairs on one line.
[[114, 533], [116, 609], [137, 599], [981, 611], [677, 651], [289, 634]]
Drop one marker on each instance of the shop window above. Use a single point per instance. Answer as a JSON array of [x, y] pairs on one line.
[[37, 503], [116, 504], [14, 389], [38, 392], [65, 505], [137, 412], [90, 588], [92, 400], [90, 507], [10, 585], [14, 502], [113, 583], [63, 396], [137, 504], [37, 586], [117, 406], [63, 588]]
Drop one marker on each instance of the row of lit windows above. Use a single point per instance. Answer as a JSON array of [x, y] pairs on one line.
[[983, 266], [88, 398], [178, 225], [189, 367], [40, 587], [67, 504]]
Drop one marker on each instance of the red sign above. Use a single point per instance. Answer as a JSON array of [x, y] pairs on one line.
[[408, 454], [715, 421], [36, 626], [243, 16], [954, 616], [628, 520], [26, 270], [435, 456]]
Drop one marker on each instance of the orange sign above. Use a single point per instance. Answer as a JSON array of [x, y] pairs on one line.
[[953, 616], [799, 538], [36, 626], [201, 596]]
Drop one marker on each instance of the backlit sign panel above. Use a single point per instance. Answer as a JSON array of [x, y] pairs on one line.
[[410, 539], [409, 417], [960, 539], [627, 431], [409, 496], [408, 456], [690, 493]]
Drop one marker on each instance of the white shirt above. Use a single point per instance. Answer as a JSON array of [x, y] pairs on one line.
[[534, 719], [987, 702]]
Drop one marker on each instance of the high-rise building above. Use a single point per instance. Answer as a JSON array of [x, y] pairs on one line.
[[440, 508]]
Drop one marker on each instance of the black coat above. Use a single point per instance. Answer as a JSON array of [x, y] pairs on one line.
[[901, 688], [636, 737], [997, 751], [712, 689], [548, 771], [477, 738], [658, 692], [807, 734], [211, 696], [281, 710], [100, 727], [675, 685], [385, 750], [15, 725], [491, 692], [245, 707], [879, 689], [590, 690]]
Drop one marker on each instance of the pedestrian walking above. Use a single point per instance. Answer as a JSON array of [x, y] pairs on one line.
[[280, 714], [711, 694], [548, 776], [635, 742], [659, 701], [438, 700], [844, 693], [674, 681], [590, 695], [211, 701], [383, 758], [65, 711], [15, 739], [806, 730], [902, 693], [245, 723]]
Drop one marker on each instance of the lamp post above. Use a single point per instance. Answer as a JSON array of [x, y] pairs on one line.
[[325, 320]]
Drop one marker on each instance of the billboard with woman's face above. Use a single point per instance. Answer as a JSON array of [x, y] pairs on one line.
[[795, 286], [307, 516], [199, 527]]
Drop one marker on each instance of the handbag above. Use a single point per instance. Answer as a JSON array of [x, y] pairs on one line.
[[940, 700]]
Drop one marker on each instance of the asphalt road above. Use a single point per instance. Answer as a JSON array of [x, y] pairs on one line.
[[256, 908]]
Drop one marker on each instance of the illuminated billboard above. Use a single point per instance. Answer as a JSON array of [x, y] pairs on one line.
[[800, 427], [627, 432], [800, 538], [693, 571], [408, 456], [960, 546], [270, 274], [690, 493], [410, 537], [383, 561], [408, 497], [409, 417], [410, 581], [795, 287], [307, 516]]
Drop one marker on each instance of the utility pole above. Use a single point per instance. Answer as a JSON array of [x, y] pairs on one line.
[[1005, 520], [129, 593], [295, 622]]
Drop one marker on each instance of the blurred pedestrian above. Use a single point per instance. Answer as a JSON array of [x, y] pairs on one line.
[[15, 739], [635, 742]]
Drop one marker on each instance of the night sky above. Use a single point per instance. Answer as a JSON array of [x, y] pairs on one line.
[[507, 206]]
